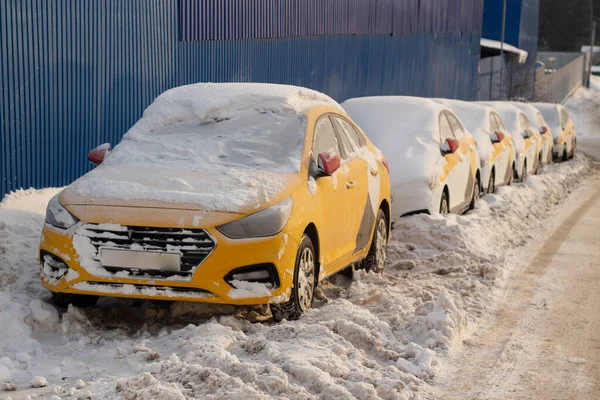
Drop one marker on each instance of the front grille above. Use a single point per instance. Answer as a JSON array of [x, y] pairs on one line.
[[194, 245]]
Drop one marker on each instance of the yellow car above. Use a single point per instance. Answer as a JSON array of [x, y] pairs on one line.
[[222, 193], [494, 143], [563, 130], [537, 119], [436, 166]]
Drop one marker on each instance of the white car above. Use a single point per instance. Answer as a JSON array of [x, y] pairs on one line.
[[526, 139], [563, 130], [537, 119], [494, 143], [433, 160]]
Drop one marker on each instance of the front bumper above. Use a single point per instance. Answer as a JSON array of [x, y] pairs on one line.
[[207, 283]]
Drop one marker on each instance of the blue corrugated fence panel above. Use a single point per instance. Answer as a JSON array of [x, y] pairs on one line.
[[77, 73]]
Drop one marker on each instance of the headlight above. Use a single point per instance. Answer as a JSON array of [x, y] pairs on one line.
[[267, 222], [58, 216]]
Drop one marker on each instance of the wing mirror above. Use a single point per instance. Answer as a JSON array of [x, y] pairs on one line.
[[544, 130], [527, 134], [97, 155], [498, 137], [450, 146], [329, 162]]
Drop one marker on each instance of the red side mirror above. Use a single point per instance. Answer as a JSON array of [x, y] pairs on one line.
[[544, 129], [499, 137], [452, 145], [329, 162], [97, 155]]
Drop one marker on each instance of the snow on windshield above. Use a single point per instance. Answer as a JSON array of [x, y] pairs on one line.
[[266, 142]]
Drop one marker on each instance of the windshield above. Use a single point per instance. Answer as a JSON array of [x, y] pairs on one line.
[[260, 142]]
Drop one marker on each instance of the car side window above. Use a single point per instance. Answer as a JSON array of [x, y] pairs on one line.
[[456, 126], [493, 124], [564, 118], [349, 146], [524, 122], [499, 123], [540, 120], [445, 130], [325, 139], [355, 136]]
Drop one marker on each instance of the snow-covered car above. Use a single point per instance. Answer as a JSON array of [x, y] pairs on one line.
[[526, 139], [494, 143], [222, 193], [537, 119], [434, 165], [563, 130]]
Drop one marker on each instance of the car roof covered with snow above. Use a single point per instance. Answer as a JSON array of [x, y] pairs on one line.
[[509, 114], [551, 113], [530, 111], [205, 102], [405, 128]]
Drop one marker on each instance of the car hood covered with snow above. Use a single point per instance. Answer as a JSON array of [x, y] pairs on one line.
[[227, 147], [232, 191]]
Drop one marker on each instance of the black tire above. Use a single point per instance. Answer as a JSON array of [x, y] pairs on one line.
[[444, 204], [476, 193], [78, 300], [538, 167], [375, 260], [492, 183], [565, 156], [511, 176], [302, 296], [524, 174]]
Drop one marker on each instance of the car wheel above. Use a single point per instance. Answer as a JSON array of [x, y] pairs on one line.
[[304, 284], [524, 174], [492, 184], [538, 167], [565, 156], [78, 300], [476, 193], [511, 175], [375, 260], [444, 204]]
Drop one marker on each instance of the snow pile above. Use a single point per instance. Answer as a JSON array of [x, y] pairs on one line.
[[583, 109], [378, 336]]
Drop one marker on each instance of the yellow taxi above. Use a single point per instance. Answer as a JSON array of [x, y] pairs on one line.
[[222, 193], [563, 130]]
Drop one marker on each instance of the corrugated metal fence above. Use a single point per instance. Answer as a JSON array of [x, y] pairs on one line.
[[76, 73]]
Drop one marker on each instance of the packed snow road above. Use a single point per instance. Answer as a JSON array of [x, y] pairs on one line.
[[541, 341], [376, 336]]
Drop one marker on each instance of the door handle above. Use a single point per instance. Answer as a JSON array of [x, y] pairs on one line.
[[350, 184]]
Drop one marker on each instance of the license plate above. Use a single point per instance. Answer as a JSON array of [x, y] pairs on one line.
[[140, 260]]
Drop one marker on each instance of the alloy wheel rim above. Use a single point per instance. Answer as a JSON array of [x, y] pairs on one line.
[[306, 279], [381, 244]]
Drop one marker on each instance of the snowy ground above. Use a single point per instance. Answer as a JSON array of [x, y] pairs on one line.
[[377, 336]]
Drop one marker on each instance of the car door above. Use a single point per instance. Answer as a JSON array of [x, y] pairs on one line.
[[333, 208], [451, 177], [531, 144], [504, 163], [362, 211], [465, 176]]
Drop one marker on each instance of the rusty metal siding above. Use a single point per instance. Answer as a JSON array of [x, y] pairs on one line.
[[77, 73]]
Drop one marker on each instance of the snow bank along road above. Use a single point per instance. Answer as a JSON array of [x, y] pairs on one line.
[[377, 336], [541, 342]]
